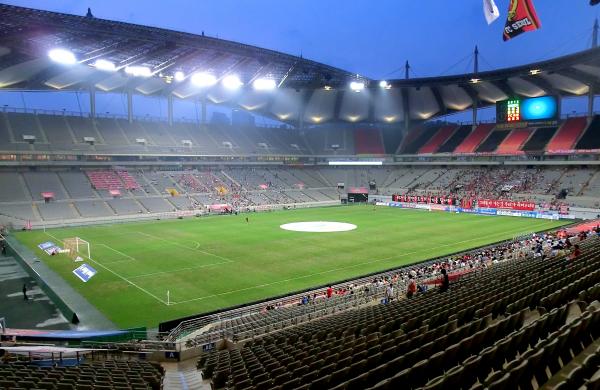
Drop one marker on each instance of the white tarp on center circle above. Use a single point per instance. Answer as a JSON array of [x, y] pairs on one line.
[[319, 227]]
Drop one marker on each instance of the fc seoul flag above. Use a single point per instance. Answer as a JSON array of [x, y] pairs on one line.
[[521, 18], [490, 11]]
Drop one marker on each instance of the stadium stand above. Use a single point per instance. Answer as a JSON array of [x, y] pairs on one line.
[[108, 374], [590, 138], [514, 141], [472, 141], [568, 134], [368, 141], [434, 340], [539, 139], [437, 139], [455, 139], [492, 142], [413, 145]]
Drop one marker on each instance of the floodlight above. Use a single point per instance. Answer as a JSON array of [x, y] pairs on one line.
[[179, 76], [204, 79], [264, 84], [62, 56], [384, 84], [105, 65], [232, 82], [357, 86], [138, 71]]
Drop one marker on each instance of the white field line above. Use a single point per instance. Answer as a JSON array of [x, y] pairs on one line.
[[178, 270], [349, 266], [185, 246], [116, 274], [119, 252]]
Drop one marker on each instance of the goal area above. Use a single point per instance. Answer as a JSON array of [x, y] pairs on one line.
[[77, 247]]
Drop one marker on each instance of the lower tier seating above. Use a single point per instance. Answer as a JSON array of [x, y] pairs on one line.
[[109, 374], [468, 336]]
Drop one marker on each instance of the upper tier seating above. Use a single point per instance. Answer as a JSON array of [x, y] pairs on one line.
[[591, 138], [413, 144], [456, 139], [539, 139], [368, 141], [492, 142], [513, 142], [438, 139], [567, 135], [472, 141]]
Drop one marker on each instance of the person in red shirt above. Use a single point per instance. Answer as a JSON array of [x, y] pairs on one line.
[[412, 287], [329, 292], [575, 253]]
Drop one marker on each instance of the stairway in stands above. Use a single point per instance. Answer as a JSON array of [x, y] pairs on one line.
[[183, 376]]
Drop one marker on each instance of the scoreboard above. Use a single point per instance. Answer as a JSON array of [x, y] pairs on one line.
[[523, 112]]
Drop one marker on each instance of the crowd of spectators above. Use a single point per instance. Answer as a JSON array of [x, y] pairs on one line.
[[439, 274]]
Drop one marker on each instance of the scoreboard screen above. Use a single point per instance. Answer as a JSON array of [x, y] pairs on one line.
[[540, 109]]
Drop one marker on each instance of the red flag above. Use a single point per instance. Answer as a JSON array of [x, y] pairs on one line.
[[521, 18]]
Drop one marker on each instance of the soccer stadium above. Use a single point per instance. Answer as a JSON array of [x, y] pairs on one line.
[[180, 210]]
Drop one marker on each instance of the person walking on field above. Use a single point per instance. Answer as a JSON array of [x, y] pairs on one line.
[[25, 297]]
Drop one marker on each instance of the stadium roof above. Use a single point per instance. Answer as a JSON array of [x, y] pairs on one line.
[[305, 89]]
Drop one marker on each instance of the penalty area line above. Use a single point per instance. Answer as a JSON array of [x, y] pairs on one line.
[[116, 274], [179, 270], [197, 248]]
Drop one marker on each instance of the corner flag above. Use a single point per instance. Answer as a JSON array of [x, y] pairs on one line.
[[521, 18]]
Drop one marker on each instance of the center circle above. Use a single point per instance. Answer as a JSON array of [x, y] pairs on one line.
[[318, 227]]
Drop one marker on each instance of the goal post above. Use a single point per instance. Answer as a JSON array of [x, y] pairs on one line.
[[77, 247]]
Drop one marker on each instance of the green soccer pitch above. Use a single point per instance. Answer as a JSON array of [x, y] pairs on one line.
[[215, 262]]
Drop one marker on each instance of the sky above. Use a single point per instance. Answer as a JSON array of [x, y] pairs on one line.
[[372, 38]]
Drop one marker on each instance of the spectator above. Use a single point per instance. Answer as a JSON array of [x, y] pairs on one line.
[[445, 281], [389, 292], [575, 253], [412, 287], [329, 292]]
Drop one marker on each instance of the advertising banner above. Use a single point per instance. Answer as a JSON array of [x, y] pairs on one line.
[[506, 204], [84, 272]]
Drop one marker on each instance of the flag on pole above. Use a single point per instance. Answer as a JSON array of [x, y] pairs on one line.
[[490, 11], [521, 18]]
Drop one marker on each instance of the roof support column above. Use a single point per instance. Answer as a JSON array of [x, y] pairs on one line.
[[405, 102], [170, 109], [203, 109], [475, 72], [92, 92], [591, 87], [129, 106]]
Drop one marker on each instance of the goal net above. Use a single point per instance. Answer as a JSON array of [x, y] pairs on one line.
[[77, 248]]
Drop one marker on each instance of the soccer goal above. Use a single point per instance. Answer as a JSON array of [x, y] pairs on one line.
[[77, 247]]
